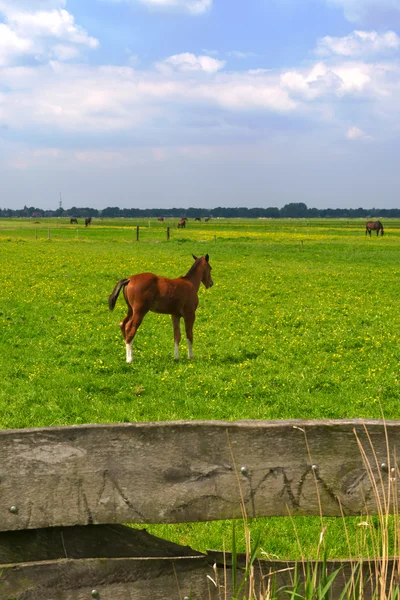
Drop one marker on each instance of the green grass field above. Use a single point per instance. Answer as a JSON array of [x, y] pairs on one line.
[[302, 322]]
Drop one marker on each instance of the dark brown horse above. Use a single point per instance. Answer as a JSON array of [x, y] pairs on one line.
[[373, 226], [161, 219], [182, 224], [88, 220], [73, 220], [175, 297]]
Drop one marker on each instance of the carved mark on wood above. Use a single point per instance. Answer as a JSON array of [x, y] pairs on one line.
[[109, 479]]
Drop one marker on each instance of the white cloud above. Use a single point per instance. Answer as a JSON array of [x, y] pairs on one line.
[[63, 52], [357, 10], [190, 62], [247, 93], [359, 43], [354, 133], [12, 45], [57, 23], [338, 80], [194, 7], [33, 33]]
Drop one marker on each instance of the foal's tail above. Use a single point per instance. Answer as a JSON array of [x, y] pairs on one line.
[[115, 293]]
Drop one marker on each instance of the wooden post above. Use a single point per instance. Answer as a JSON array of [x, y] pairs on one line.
[[167, 233], [137, 233]]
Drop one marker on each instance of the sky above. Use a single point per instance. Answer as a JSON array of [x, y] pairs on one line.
[[199, 103]]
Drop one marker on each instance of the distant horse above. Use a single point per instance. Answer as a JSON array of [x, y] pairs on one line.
[[175, 297], [373, 226], [161, 219], [182, 224], [73, 220], [197, 219], [88, 220], [207, 219]]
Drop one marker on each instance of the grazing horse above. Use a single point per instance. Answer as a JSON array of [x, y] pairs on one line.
[[73, 220], [373, 226], [175, 297], [197, 219], [161, 219], [88, 220], [182, 224]]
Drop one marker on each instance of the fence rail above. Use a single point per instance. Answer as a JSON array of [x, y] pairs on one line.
[[62, 488]]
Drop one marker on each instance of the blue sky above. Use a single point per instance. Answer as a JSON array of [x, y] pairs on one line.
[[204, 103]]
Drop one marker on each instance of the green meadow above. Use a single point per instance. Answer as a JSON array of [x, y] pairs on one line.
[[302, 322]]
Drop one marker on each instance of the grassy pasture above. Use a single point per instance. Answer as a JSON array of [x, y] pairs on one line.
[[302, 322]]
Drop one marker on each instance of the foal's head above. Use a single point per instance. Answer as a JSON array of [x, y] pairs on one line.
[[205, 265]]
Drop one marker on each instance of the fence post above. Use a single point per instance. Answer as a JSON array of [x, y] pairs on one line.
[[167, 233], [137, 233]]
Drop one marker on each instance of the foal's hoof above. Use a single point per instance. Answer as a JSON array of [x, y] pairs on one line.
[[129, 361]]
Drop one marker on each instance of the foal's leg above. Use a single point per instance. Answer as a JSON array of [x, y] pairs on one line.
[[177, 334], [131, 328], [189, 320], [123, 323]]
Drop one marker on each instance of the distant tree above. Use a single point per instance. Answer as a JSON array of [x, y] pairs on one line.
[[294, 210], [110, 212]]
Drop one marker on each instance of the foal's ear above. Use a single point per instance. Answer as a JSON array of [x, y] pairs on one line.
[[195, 257], [207, 257]]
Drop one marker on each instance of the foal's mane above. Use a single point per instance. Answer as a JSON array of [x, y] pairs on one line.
[[192, 268]]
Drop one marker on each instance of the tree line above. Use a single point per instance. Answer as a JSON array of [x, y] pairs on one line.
[[293, 210]]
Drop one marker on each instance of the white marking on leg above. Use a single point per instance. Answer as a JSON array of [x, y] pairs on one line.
[[190, 353], [129, 353], [176, 350]]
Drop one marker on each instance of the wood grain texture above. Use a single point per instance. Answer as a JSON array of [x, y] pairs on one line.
[[158, 579], [114, 579], [191, 471]]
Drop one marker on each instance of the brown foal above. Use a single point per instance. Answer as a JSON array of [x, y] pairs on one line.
[[176, 297]]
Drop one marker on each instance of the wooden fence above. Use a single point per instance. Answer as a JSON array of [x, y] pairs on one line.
[[66, 490]]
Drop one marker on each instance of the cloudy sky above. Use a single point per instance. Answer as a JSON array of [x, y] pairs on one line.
[[203, 103]]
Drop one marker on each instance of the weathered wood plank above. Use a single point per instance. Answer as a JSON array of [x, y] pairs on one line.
[[190, 471], [172, 578], [114, 579]]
